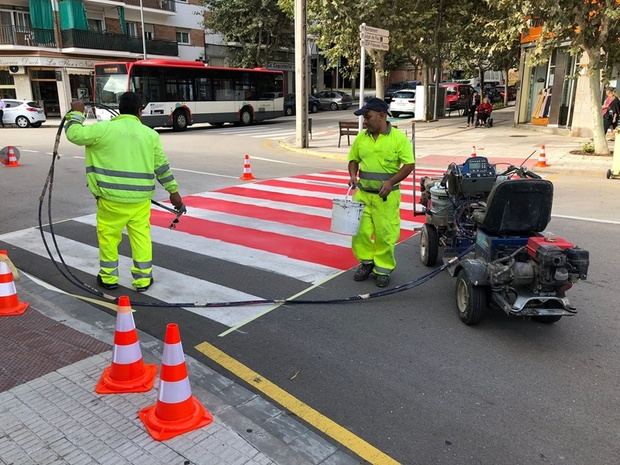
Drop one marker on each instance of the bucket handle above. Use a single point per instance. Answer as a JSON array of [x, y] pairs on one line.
[[348, 194]]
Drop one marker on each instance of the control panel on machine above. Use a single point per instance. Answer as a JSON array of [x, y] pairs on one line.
[[475, 176], [477, 167]]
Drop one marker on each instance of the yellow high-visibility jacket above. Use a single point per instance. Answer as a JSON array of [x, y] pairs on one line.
[[123, 158]]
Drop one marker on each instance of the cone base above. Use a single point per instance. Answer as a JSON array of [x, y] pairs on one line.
[[108, 385], [161, 430], [541, 164], [247, 177], [15, 310]]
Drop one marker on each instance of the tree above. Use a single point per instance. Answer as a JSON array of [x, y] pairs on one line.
[[260, 27], [591, 28]]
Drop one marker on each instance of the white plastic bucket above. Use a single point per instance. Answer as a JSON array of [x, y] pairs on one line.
[[346, 215]]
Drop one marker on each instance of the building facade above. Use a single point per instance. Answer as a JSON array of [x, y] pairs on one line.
[[48, 48]]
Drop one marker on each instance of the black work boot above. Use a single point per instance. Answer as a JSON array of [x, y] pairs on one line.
[[381, 280], [145, 288], [363, 271], [107, 286]]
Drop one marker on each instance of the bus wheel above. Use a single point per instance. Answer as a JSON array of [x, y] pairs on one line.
[[245, 117], [179, 120]]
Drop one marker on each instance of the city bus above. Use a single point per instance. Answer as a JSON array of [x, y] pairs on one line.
[[179, 93]]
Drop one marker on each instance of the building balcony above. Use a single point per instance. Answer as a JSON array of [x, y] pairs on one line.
[[117, 42], [168, 5], [26, 37]]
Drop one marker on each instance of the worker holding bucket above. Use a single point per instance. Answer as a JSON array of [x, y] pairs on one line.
[[380, 158]]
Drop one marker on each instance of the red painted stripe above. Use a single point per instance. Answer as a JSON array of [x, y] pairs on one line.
[[123, 338], [300, 249], [278, 197], [344, 182], [264, 213], [173, 373]]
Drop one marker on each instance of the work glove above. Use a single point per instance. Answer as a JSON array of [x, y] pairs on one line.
[[176, 200]]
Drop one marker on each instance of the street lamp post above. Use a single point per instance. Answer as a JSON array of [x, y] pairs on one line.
[[143, 32]]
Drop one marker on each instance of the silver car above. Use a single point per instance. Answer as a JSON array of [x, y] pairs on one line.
[[23, 113], [334, 100]]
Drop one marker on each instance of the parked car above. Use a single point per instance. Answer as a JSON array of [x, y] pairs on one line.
[[457, 95], [334, 100], [289, 104], [398, 86], [512, 92], [403, 101], [23, 113]]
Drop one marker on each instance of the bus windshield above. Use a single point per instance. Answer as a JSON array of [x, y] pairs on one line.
[[110, 83]]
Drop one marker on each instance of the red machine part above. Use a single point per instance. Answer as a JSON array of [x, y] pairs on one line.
[[534, 243]]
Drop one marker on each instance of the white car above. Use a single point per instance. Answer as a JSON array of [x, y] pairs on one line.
[[23, 113], [403, 101]]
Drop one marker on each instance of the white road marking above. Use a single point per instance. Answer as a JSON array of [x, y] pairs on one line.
[[590, 220], [205, 173], [273, 161]]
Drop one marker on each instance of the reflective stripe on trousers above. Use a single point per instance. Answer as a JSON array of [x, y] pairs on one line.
[[379, 231], [112, 218]]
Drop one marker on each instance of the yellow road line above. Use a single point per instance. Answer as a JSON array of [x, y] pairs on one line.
[[332, 429]]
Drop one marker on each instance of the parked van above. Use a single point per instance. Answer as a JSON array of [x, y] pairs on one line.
[[457, 95]]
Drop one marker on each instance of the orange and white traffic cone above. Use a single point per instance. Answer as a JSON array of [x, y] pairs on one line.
[[176, 411], [247, 169], [128, 372], [11, 161], [542, 158], [9, 302], [473, 151]]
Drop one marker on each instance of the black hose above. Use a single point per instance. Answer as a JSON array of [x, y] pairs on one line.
[[66, 272]]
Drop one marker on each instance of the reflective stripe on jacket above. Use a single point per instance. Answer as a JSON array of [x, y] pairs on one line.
[[123, 158]]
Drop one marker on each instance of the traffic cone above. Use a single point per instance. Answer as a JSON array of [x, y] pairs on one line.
[[4, 257], [128, 372], [542, 158], [473, 151], [247, 169], [9, 302], [176, 411], [11, 161]]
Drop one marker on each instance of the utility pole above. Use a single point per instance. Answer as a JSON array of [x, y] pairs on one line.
[[438, 63], [301, 75], [143, 33]]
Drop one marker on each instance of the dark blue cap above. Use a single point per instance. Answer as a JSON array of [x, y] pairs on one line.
[[375, 104]]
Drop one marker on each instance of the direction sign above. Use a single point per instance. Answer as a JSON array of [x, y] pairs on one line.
[[374, 45], [374, 30], [374, 37]]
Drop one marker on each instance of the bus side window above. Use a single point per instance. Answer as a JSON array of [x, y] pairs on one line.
[[204, 90]]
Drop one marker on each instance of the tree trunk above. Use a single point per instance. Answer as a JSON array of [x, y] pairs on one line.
[[594, 80], [378, 59], [506, 71], [353, 87]]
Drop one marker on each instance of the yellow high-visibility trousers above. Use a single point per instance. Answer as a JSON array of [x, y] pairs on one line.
[[379, 231], [112, 218]]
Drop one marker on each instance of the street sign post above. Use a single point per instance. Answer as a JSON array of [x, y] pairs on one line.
[[374, 45], [371, 38]]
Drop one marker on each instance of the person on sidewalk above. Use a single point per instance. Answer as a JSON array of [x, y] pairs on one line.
[[472, 106], [380, 158], [123, 159], [610, 111], [2, 107], [484, 112]]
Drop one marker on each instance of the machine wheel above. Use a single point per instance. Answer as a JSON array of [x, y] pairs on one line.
[[179, 120], [609, 173], [429, 245], [471, 301], [245, 117], [333, 106], [395, 114], [22, 122], [547, 319]]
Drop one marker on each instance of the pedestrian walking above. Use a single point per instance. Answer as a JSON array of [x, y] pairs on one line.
[[472, 107], [380, 158], [123, 159], [610, 111], [2, 107]]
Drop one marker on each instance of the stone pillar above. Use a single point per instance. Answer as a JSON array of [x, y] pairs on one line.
[[23, 89], [64, 90]]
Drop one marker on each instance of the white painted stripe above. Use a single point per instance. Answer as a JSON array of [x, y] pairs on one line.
[[291, 207], [124, 355], [404, 185], [277, 134], [7, 289], [173, 354], [170, 285], [206, 173], [124, 321], [272, 160], [272, 227], [173, 392], [31, 151], [269, 261], [589, 220]]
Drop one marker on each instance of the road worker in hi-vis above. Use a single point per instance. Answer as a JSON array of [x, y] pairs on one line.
[[123, 159], [380, 158]]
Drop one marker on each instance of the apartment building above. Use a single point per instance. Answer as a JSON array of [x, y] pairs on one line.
[[48, 48]]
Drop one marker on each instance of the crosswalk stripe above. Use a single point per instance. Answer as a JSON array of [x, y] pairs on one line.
[[276, 263], [170, 284]]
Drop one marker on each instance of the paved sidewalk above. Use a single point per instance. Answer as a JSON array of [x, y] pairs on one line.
[[52, 357], [449, 139]]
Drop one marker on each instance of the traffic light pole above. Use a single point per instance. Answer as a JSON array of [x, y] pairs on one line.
[[301, 75]]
